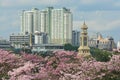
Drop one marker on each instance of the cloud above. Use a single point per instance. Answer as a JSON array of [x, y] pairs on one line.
[[117, 4], [78, 4], [88, 1], [2, 19], [100, 15], [13, 3], [95, 1], [97, 21], [96, 26]]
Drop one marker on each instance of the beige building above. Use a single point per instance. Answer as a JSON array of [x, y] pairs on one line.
[[102, 43]]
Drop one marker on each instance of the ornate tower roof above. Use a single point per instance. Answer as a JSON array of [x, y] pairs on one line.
[[84, 26], [100, 37], [84, 29]]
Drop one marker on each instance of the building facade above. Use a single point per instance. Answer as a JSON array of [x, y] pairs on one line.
[[41, 38], [118, 46], [42, 48], [30, 21], [57, 23], [102, 43], [20, 40], [75, 38], [4, 44]]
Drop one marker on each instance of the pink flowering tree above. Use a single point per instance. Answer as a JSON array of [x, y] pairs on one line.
[[63, 65], [8, 61]]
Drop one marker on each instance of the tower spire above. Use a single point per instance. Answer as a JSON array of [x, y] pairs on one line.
[[84, 22]]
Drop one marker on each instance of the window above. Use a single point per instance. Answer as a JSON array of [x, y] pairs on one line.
[[85, 41], [80, 41]]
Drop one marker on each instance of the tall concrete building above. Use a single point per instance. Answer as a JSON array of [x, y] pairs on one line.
[[61, 26], [102, 43], [57, 23], [75, 38], [30, 21], [46, 21]]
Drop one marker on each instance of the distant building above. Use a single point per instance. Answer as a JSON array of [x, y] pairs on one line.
[[93, 43], [118, 46], [102, 43], [20, 40], [30, 21], [57, 23], [41, 48], [4, 44], [41, 38], [75, 38]]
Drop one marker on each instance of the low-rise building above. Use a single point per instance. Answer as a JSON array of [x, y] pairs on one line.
[[46, 47], [102, 43], [20, 40], [4, 44]]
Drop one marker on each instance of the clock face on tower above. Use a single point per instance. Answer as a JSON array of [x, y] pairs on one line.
[[85, 41], [85, 30]]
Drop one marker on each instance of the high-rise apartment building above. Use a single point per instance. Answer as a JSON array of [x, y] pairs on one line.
[[61, 26], [75, 38], [30, 21], [57, 23]]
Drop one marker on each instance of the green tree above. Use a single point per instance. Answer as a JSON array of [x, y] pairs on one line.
[[100, 55], [70, 47]]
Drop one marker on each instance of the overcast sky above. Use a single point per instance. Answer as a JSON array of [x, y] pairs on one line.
[[100, 15]]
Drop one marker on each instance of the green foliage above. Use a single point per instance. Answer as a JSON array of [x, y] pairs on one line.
[[116, 53], [26, 50], [110, 76], [16, 51], [70, 47], [101, 55], [45, 54], [3, 72]]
